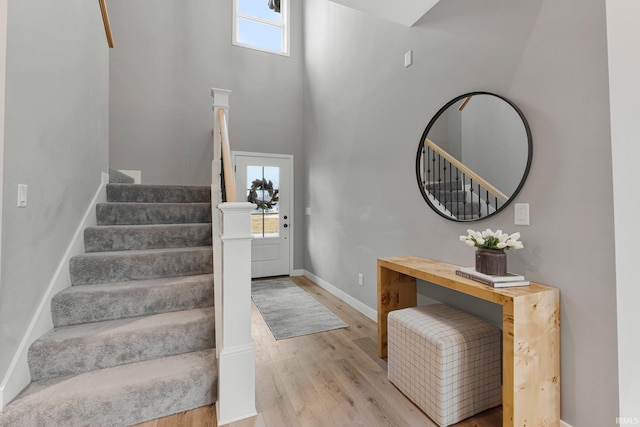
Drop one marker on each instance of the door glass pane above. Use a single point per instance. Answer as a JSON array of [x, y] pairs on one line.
[[263, 188]]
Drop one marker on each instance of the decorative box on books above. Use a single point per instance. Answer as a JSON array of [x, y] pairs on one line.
[[506, 281]]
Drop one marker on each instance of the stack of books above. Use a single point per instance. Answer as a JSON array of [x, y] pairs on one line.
[[494, 281]]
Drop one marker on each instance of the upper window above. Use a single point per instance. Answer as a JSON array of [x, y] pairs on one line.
[[262, 25]]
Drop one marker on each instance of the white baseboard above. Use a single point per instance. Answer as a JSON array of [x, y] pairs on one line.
[[18, 376], [563, 424], [361, 307], [297, 273], [136, 175]]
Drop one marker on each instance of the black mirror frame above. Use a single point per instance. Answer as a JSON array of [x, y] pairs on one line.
[[426, 132]]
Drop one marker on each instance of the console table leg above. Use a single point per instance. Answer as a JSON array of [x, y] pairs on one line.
[[531, 363], [395, 291]]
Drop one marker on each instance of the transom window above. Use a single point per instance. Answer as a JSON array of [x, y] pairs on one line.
[[257, 26]]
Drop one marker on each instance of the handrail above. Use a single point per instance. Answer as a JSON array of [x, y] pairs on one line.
[[107, 25], [464, 103], [457, 163], [229, 176]]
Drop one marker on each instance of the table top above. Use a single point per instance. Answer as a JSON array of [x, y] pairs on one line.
[[444, 274]]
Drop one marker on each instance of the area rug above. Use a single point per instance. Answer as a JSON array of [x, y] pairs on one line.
[[290, 311]]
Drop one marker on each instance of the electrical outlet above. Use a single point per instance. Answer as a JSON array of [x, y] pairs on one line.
[[360, 279]]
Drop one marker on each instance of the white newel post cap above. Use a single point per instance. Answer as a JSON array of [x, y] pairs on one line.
[[236, 219], [220, 97]]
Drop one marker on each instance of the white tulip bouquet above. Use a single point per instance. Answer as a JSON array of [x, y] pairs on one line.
[[492, 240]]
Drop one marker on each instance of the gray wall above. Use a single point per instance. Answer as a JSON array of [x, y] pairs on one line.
[[56, 142], [364, 114], [168, 55]]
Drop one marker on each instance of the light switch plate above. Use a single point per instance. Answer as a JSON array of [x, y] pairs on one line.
[[521, 214], [22, 195], [307, 211], [408, 58]]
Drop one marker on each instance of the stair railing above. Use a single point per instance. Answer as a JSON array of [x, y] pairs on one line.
[[455, 187], [228, 175], [107, 24], [231, 228]]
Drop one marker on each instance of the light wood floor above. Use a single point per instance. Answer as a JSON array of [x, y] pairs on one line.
[[331, 378]]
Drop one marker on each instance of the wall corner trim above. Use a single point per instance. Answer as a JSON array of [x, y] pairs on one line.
[[18, 376], [358, 305]]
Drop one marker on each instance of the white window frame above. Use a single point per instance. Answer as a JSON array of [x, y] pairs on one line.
[[284, 27]]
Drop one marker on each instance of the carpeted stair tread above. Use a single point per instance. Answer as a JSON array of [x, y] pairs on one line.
[[121, 266], [158, 193], [97, 303], [118, 396], [136, 237], [116, 176], [449, 195], [460, 208], [70, 350], [120, 213], [442, 186]]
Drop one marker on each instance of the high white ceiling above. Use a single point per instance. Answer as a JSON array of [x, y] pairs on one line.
[[405, 12]]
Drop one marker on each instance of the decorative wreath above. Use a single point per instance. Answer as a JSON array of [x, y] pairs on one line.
[[263, 186]]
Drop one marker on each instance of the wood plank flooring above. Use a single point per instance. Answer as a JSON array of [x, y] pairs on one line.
[[200, 417], [332, 378]]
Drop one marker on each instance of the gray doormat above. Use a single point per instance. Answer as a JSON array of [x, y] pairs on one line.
[[290, 311]]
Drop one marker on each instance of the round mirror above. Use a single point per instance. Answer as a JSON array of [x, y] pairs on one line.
[[474, 156]]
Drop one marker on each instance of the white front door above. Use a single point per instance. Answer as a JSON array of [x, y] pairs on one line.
[[265, 179]]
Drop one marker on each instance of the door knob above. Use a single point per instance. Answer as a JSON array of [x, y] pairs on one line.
[[286, 225]]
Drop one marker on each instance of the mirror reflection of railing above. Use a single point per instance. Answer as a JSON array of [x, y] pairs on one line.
[[455, 188], [473, 157]]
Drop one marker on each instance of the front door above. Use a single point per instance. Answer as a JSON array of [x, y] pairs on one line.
[[265, 179]]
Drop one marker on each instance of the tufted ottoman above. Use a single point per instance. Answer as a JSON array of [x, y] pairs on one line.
[[446, 361]]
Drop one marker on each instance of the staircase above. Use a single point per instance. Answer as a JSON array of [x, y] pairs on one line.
[[133, 337], [453, 197]]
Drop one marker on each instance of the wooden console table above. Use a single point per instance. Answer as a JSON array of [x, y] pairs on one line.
[[530, 335]]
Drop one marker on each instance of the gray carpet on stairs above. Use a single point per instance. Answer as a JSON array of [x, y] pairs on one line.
[[108, 267], [134, 336], [80, 348], [135, 237], [119, 177], [122, 213], [120, 396], [158, 193], [97, 303]]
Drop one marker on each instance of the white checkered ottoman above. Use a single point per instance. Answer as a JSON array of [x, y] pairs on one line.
[[446, 361]]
